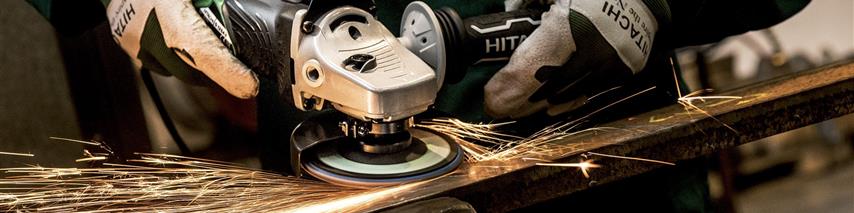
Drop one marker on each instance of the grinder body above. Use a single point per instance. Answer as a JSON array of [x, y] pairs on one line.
[[331, 54], [327, 54], [311, 55], [464, 42]]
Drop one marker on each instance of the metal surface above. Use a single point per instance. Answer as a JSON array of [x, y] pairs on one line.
[[669, 134], [397, 87], [436, 205]]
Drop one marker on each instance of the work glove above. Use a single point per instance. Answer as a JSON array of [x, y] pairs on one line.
[[169, 37], [575, 55]]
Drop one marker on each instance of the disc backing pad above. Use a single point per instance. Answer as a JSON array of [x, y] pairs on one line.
[[342, 162]]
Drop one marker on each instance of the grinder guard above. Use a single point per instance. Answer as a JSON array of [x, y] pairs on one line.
[[317, 129]]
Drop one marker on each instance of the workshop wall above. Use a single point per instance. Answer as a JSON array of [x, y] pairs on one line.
[[35, 102]]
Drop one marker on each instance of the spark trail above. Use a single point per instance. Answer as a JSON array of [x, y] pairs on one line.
[[170, 183]]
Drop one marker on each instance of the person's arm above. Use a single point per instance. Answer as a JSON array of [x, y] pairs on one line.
[[583, 47], [704, 21], [166, 36]]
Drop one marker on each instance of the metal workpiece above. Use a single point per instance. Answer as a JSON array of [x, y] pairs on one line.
[[669, 134], [352, 61]]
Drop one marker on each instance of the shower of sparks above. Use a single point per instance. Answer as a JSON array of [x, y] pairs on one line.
[[482, 143], [688, 101], [170, 183]]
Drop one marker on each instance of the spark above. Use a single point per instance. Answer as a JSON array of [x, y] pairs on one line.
[[96, 158], [687, 101], [76, 141], [584, 166], [632, 158], [103, 146], [17, 154]]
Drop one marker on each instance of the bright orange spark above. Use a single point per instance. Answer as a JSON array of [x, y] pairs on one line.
[[632, 158], [584, 166], [687, 100], [95, 158]]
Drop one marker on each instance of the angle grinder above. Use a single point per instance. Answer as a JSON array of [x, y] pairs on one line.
[[336, 55]]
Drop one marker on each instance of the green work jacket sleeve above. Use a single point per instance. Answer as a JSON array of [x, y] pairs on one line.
[[71, 18]]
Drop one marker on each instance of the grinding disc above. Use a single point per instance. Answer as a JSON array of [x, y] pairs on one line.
[[342, 162]]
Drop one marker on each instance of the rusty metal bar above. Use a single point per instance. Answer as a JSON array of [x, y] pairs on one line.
[[669, 134]]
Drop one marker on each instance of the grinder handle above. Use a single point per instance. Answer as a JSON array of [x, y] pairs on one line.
[[258, 33], [484, 38], [261, 31]]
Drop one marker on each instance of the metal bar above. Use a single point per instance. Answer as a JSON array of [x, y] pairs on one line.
[[669, 134]]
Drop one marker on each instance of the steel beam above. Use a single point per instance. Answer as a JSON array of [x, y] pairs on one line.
[[669, 134]]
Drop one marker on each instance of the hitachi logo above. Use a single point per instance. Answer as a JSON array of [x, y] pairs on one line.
[[630, 21], [502, 44], [123, 20]]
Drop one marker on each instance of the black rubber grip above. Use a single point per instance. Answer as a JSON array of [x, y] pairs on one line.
[[495, 36], [490, 37], [261, 31]]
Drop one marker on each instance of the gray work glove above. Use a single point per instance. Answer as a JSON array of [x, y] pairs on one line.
[[170, 37], [574, 55]]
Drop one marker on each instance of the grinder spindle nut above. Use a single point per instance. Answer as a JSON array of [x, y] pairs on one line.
[[360, 63]]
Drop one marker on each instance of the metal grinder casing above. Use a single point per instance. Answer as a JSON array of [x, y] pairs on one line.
[[398, 86], [337, 54], [333, 53]]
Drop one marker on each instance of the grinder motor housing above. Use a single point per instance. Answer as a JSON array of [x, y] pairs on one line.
[[336, 54], [330, 53]]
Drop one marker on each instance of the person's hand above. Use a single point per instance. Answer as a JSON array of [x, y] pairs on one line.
[[572, 56], [170, 37]]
